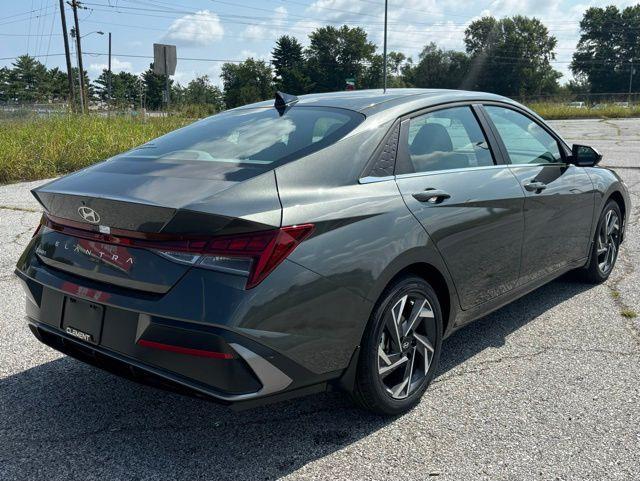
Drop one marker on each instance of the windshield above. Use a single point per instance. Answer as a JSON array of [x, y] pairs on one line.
[[252, 136]]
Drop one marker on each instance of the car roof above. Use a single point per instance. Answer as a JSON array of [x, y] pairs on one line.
[[376, 100]]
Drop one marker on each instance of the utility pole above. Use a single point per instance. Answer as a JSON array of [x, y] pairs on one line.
[[166, 79], [631, 81], [83, 98], [384, 83], [65, 34], [109, 79]]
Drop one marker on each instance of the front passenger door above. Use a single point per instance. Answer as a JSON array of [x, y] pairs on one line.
[[470, 206], [559, 197]]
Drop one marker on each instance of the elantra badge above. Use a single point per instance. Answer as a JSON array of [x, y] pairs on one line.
[[88, 214]]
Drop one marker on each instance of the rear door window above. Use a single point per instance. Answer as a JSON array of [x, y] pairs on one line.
[[447, 139]]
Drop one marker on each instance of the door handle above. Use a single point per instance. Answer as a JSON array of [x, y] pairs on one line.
[[535, 186], [433, 196]]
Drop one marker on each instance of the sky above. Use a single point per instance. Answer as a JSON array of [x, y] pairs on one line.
[[209, 32]]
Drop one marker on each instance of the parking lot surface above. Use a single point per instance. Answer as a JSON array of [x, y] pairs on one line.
[[546, 388]]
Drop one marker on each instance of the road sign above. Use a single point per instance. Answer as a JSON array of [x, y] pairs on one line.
[[164, 59]]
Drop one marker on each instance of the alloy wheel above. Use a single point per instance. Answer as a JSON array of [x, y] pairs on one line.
[[608, 241], [406, 346]]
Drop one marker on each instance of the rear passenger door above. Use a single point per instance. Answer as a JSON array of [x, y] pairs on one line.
[[470, 204], [559, 196]]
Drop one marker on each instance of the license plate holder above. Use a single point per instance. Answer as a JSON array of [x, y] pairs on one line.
[[82, 319]]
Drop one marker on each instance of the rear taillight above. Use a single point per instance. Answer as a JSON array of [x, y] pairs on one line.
[[42, 223], [255, 255]]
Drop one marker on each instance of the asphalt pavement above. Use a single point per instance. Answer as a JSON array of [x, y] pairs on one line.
[[546, 388]]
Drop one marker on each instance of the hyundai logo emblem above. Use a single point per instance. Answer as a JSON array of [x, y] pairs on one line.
[[88, 214]]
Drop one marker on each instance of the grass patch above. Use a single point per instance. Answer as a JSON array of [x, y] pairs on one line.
[[629, 313], [615, 294], [557, 111], [42, 147]]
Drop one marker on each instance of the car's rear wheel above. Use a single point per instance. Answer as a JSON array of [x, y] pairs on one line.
[[400, 348], [606, 244]]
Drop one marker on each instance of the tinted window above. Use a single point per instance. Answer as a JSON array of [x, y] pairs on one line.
[[525, 140], [447, 139], [255, 137]]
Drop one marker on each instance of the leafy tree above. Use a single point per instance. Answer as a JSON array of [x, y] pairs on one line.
[[511, 56], [201, 91], [125, 88], [609, 42], [27, 80], [154, 86], [246, 82], [4, 84], [373, 75], [437, 68], [336, 54], [289, 66], [57, 85], [395, 62]]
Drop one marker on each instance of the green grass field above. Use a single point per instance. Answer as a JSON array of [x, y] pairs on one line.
[[557, 111], [42, 147]]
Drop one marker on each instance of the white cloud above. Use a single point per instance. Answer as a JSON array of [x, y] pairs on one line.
[[200, 29], [270, 29], [116, 66]]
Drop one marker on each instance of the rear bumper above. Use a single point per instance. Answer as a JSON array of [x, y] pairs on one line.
[[249, 370]]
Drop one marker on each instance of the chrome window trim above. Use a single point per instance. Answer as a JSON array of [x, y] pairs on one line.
[[451, 171], [372, 179]]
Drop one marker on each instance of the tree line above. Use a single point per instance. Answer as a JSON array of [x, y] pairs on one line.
[[510, 56]]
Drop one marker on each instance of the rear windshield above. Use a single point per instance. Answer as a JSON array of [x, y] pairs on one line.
[[256, 137]]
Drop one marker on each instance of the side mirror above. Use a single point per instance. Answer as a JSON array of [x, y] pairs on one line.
[[584, 156]]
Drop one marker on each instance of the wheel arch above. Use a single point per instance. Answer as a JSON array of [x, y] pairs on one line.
[[618, 198], [440, 282], [447, 297]]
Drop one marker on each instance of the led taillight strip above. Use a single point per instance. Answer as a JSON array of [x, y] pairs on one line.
[[266, 249]]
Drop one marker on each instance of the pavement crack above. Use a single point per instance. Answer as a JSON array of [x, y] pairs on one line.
[[486, 365], [19, 209]]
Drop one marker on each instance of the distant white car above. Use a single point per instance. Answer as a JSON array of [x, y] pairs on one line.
[[622, 104], [577, 105]]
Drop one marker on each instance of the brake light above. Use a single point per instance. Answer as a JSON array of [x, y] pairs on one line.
[[43, 220], [255, 254]]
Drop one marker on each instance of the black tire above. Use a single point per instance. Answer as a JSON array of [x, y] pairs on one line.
[[593, 272], [370, 391]]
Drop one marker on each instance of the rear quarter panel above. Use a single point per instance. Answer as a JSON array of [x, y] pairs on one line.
[[364, 233]]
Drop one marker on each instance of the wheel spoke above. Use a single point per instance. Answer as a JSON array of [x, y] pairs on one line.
[[413, 359], [422, 350], [612, 222], [612, 257], [383, 356], [395, 392], [386, 370], [392, 329], [394, 323], [424, 341], [416, 313]]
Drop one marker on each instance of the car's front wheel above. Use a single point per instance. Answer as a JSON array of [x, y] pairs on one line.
[[606, 244], [400, 348]]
